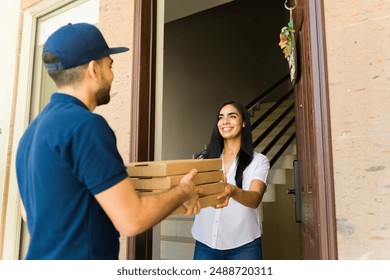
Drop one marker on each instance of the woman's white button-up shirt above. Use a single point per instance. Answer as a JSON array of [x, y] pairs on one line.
[[235, 224]]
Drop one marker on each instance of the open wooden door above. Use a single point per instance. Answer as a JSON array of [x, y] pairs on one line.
[[318, 226], [143, 103]]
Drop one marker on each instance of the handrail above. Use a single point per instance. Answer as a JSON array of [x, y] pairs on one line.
[[266, 93], [282, 149], [278, 136], [271, 110], [272, 126], [283, 116]]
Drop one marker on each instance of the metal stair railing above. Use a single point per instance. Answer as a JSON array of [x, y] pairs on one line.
[[266, 93], [255, 104]]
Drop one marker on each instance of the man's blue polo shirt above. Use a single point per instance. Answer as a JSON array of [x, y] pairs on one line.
[[66, 156]]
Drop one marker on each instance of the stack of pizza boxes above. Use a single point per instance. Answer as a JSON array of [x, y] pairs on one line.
[[156, 176]]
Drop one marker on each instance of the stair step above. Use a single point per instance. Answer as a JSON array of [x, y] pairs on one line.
[[269, 195], [172, 250], [259, 130], [291, 150], [266, 124], [264, 107], [282, 139], [272, 117], [177, 239], [181, 218], [268, 105], [285, 161], [277, 176], [176, 228]]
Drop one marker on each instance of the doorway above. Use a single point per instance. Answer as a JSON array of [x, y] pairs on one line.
[[317, 242], [228, 51]]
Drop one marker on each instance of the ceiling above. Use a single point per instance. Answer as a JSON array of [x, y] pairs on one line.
[[176, 9]]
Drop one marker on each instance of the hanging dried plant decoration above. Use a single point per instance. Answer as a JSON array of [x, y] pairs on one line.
[[286, 39], [287, 44]]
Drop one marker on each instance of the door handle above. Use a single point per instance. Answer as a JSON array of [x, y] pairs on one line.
[[291, 191], [296, 192]]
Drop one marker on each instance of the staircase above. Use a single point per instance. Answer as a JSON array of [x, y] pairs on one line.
[[176, 242], [273, 132], [280, 165]]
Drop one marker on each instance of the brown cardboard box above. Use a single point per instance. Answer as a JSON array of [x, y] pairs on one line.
[[209, 198], [205, 201], [212, 188], [207, 189], [165, 173], [167, 182], [171, 167]]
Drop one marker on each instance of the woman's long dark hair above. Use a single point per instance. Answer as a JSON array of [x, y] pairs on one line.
[[215, 147]]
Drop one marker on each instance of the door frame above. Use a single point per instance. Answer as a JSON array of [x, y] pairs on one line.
[[327, 215], [143, 98], [324, 215], [144, 95]]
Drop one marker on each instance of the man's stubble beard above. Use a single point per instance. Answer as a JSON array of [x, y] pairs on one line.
[[102, 96]]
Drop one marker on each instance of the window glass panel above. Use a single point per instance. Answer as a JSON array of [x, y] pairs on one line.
[[42, 85]]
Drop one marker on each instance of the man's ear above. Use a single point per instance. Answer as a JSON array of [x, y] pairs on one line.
[[93, 69]]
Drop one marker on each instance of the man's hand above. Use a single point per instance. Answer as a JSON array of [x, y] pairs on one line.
[[192, 204]]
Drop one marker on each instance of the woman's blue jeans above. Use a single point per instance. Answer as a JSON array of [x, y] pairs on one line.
[[249, 251]]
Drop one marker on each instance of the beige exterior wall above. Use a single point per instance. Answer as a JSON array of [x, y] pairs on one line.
[[117, 24], [358, 40]]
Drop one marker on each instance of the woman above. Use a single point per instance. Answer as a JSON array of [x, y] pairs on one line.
[[234, 231]]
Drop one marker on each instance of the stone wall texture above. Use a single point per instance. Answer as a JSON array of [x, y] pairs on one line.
[[358, 58], [117, 25]]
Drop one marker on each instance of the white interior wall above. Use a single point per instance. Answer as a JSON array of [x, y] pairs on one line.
[[227, 52]]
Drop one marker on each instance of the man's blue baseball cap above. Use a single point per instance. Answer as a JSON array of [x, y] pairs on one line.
[[77, 44]]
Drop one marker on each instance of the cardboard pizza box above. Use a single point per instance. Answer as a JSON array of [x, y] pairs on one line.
[[205, 201], [209, 198], [171, 167], [167, 182], [213, 188], [207, 189]]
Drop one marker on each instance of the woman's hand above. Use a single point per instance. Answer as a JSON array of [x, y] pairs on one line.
[[250, 198], [226, 195]]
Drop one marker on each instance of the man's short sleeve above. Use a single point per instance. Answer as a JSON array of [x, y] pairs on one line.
[[96, 160]]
